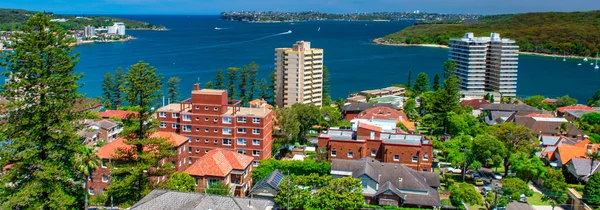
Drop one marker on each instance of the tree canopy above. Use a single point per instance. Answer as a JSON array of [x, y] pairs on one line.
[[181, 181], [591, 191]]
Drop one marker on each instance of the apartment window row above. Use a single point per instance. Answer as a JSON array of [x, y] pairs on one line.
[[206, 108], [244, 152]]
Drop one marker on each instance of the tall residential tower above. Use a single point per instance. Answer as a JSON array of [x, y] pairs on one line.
[[486, 63], [299, 75]]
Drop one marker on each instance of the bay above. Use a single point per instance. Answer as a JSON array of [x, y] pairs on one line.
[[193, 50]]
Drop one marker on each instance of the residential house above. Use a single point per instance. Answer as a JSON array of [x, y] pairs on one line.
[[576, 111], [259, 103], [386, 145], [100, 179], [476, 104], [228, 167], [549, 126], [558, 156], [89, 136], [580, 169], [351, 111], [267, 187], [173, 200], [500, 113], [387, 113], [391, 184], [109, 130], [118, 114], [212, 121]]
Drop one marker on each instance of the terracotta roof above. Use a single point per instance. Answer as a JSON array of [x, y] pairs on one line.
[[568, 152], [370, 127], [409, 125], [582, 143], [107, 151], [475, 103], [174, 138], [581, 107], [539, 115], [383, 113], [219, 163], [116, 113], [260, 103], [550, 100]]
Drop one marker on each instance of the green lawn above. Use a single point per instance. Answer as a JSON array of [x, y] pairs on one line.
[[536, 200], [476, 207], [446, 202]]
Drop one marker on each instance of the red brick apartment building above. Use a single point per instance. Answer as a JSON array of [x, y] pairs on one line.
[[211, 121], [100, 179], [372, 141], [228, 167]]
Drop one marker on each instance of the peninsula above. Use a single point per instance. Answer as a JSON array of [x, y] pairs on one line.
[[314, 16], [570, 34]]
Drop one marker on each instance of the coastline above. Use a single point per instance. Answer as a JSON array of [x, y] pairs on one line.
[[380, 41], [129, 38]]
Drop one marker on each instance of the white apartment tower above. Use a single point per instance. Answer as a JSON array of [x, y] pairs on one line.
[[299, 75], [89, 31], [486, 63], [117, 28]]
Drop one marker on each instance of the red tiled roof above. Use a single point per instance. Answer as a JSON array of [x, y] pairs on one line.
[[475, 103], [383, 113], [584, 108], [174, 138], [549, 100], [568, 152], [370, 127], [116, 113], [107, 151], [582, 143], [219, 163], [539, 115]]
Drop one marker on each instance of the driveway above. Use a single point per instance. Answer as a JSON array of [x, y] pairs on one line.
[[548, 208]]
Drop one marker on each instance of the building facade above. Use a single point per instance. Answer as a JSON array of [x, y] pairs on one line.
[[486, 63], [211, 121], [299, 75], [230, 168], [117, 28], [89, 31]]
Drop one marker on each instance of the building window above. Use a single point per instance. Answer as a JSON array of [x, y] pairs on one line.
[[255, 120], [206, 130], [216, 120], [197, 118], [190, 160], [216, 108], [255, 152], [197, 129], [216, 141], [373, 152], [350, 154], [415, 159], [226, 141], [333, 153], [205, 151], [425, 170], [255, 131], [206, 119], [174, 115], [187, 128], [241, 119], [241, 130], [227, 120], [104, 164], [189, 149], [255, 163], [255, 142], [213, 182], [425, 157], [174, 126], [186, 117], [242, 151], [104, 178], [241, 141], [205, 140], [197, 150], [197, 107], [206, 108], [197, 139], [162, 114], [396, 157], [227, 131], [216, 130], [91, 191]]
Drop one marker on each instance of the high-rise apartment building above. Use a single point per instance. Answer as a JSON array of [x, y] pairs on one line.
[[117, 28], [486, 63], [212, 121], [299, 75], [89, 31]]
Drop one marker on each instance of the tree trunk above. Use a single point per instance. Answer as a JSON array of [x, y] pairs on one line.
[[86, 192], [506, 165]]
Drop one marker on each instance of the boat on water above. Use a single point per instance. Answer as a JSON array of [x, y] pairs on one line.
[[217, 28], [287, 32], [564, 56], [585, 59], [579, 64], [596, 67], [319, 29]]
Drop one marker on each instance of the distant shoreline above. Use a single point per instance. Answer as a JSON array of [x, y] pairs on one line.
[[129, 38], [380, 41]]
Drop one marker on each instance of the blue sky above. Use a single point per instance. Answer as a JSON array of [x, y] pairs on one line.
[[190, 7]]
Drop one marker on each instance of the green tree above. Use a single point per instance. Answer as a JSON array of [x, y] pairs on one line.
[[592, 118], [341, 193], [459, 124], [440, 103], [218, 188], [181, 181], [331, 116], [117, 96], [294, 167], [563, 128], [243, 84], [464, 192], [591, 191], [488, 149], [40, 120], [289, 126], [86, 162], [421, 84], [514, 187], [409, 109], [326, 87], [253, 68], [271, 90], [220, 80], [450, 67], [264, 90], [436, 82], [528, 168], [409, 80], [535, 101], [209, 85], [565, 101], [595, 100], [491, 201], [291, 196], [555, 187], [307, 115], [107, 88], [232, 78], [516, 139], [173, 89]]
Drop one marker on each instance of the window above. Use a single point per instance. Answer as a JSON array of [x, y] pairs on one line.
[[197, 129], [255, 152], [189, 149], [197, 107], [196, 179], [216, 120], [197, 118], [205, 151], [415, 159], [216, 130], [206, 108], [255, 142], [162, 114], [255, 163], [424, 170], [350, 154], [227, 131], [242, 151], [187, 128], [212, 182], [197, 150], [206, 141], [174, 115], [206, 130], [186, 117], [241, 130], [227, 120], [197, 139], [190, 160], [174, 126], [256, 120], [216, 141], [373, 152], [104, 178], [206, 119], [91, 191], [103, 164], [425, 157], [255, 131], [241, 119], [396, 157], [241, 142], [216, 109], [226, 141], [333, 153]]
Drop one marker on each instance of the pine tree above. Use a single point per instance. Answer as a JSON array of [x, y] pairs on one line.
[[271, 89], [40, 120], [264, 90], [107, 88], [232, 75], [253, 67], [450, 68], [408, 83], [220, 80], [326, 87], [421, 84], [243, 84], [209, 85], [173, 89], [117, 96], [436, 82]]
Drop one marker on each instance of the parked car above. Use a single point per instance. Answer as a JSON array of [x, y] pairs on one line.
[[479, 182], [523, 198], [497, 175], [485, 190], [454, 170], [475, 176]]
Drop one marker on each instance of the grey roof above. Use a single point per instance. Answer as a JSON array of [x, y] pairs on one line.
[[417, 187], [508, 107], [388, 186], [497, 117], [402, 139], [578, 113], [270, 181], [105, 124], [339, 134], [172, 200], [542, 127], [359, 107], [549, 140], [582, 166], [515, 205]]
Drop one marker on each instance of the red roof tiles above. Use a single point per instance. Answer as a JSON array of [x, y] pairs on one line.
[[219, 163], [120, 114], [584, 108], [539, 115], [107, 151], [475, 103], [383, 113]]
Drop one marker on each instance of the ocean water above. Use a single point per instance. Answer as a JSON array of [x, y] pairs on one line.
[[193, 50]]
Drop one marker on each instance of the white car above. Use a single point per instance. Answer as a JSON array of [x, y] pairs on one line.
[[454, 170], [497, 175]]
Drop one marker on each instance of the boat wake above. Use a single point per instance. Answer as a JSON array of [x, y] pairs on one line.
[[245, 41], [217, 28]]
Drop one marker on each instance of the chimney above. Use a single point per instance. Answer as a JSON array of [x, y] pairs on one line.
[[196, 86], [579, 137]]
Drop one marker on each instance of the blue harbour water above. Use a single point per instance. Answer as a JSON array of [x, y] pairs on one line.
[[193, 50]]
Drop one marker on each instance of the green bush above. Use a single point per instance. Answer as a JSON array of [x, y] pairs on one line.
[[295, 167]]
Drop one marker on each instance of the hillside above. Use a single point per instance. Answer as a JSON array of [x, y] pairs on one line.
[[573, 33], [13, 19]]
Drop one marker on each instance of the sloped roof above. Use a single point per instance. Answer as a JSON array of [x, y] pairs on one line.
[[120, 114], [475, 103], [578, 107], [509, 107], [107, 151], [173, 200], [105, 124], [568, 152], [359, 107], [547, 126], [219, 163], [582, 166], [383, 113], [273, 180]]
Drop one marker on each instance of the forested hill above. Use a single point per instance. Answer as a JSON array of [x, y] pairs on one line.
[[14, 19], [573, 33]]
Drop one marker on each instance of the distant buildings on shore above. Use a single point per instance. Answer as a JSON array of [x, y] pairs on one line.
[[89, 31], [117, 28], [299, 75], [486, 63]]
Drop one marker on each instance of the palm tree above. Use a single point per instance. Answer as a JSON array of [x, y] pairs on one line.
[[86, 162], [593, 156]]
